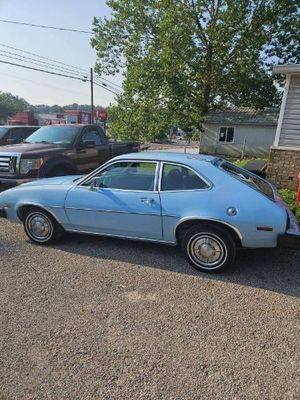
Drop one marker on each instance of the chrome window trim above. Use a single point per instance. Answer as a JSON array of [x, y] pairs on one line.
[[204, 179], [220, 161], [81, 182]]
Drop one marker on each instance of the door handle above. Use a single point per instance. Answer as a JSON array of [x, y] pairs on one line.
[[147, 201]]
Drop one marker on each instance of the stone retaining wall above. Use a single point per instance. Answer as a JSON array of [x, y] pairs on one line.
[[284, 167]]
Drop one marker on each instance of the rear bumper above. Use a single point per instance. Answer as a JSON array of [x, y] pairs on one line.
[[289, 241], [2, 213], [8, 183]]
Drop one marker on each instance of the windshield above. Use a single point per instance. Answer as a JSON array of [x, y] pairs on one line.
[[250, 179], [54, 135], [3, 132]]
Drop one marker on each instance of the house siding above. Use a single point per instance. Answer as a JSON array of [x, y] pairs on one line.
[[249, 140], [290, 128]]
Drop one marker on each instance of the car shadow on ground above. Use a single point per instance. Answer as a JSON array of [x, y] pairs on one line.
[[276, 270]]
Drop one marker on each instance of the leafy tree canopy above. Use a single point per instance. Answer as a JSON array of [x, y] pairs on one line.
[[181, 58], [10, 104]]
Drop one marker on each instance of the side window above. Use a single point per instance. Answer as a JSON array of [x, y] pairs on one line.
[[226, 135], [92, 135], [126, 175], [176, 177], [16, 135]]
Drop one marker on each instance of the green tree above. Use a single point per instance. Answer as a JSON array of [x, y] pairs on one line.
[[181, 58], [10, 104]]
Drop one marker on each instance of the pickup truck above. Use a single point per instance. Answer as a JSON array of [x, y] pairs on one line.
[[57, 150]]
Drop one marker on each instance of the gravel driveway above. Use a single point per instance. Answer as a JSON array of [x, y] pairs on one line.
[[96, 318]]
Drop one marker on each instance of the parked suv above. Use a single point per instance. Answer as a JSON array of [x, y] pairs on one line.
[[11, 134]]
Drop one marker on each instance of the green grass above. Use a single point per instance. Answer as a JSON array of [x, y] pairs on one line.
[[242, 163], [290, 197]]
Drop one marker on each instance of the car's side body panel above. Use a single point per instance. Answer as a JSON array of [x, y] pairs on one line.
[[115, 212]]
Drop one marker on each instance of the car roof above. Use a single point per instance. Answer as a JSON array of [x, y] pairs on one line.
[[184, 158]]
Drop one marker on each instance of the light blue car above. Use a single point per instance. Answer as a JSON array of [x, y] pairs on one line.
[[206, 204]]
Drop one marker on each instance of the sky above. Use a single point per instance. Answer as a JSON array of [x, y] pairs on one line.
[[68, 47]]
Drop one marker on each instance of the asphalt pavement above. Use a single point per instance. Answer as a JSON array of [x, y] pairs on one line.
[[98, 318]]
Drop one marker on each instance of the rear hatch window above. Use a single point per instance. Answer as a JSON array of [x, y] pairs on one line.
[[248, 178]]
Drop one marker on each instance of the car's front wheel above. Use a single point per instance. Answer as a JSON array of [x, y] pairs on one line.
[[41, 227], [209, 248]]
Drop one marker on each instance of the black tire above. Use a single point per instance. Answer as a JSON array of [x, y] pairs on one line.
[[41, 227], [211, 241]]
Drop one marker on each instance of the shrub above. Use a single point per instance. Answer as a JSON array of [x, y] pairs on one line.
[[290, 197]]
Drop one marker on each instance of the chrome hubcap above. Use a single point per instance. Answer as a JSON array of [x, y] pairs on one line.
[[207, 250], [39, 226]]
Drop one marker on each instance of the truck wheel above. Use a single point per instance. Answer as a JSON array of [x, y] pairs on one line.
[[209, 248], [41, 227]]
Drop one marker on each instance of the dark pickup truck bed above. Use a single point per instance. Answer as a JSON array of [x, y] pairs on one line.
[[58, 150]]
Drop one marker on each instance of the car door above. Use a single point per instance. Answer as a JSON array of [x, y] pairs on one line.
[[120, 199], [91, 155], [183, 193]]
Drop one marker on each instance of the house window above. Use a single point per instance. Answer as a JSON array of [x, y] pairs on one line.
[[226, 134]]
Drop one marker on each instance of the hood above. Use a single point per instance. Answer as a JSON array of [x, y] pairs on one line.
[[57, 180], [32, 148]]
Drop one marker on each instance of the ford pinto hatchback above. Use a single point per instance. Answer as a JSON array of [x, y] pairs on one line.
[[207, 205]]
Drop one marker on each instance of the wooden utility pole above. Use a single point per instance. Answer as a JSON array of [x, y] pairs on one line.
[[92, 96]]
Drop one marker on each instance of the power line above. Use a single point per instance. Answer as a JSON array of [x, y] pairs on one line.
[[99, 81], [19, 57], [46, 26], [56, 73], [106, 88], [45, 58], [116, 86], [39, 83], [42, 70], [59, 62], [52, 67]]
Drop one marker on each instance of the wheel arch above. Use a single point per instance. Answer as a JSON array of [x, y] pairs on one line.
[[188, 222], [22, 208], [58, 162]]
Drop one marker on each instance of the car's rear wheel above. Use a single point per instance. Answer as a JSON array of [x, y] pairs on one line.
[[41, 227], [209, 248]]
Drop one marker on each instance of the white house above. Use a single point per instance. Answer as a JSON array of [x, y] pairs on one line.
[[284, 165], [239, 131]]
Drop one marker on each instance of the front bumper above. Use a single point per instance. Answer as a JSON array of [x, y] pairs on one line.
[[8, 183], [289, 241], [2, 213]]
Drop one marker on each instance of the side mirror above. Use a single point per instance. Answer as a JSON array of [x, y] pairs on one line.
[[89, 144], [93, 185]]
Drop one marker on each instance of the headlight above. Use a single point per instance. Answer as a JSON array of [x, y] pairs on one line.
[[29, 164]]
